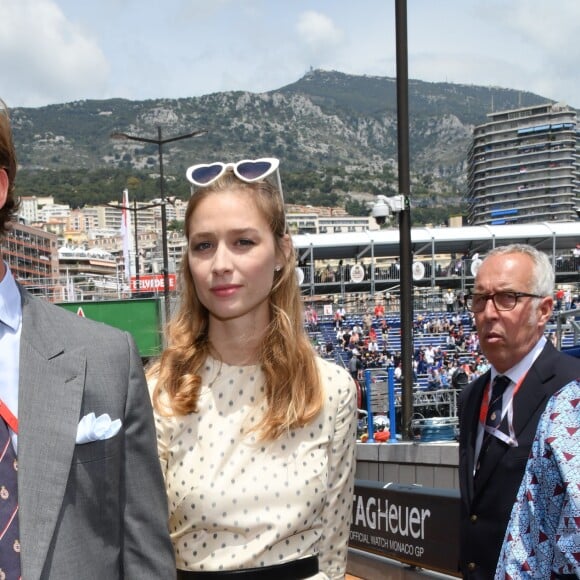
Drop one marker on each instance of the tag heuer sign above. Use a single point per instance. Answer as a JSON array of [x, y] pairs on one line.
[[405, 523], [357, 273]]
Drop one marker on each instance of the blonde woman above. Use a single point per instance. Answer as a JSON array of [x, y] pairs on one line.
[[256, 434]]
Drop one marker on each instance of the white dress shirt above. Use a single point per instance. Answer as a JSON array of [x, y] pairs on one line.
[[10, 329], [516, 374]]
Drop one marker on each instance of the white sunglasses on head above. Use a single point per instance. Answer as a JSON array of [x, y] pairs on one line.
[[248, 170]]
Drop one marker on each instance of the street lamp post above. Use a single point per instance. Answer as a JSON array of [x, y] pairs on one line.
[[160, 142], [404, 216]]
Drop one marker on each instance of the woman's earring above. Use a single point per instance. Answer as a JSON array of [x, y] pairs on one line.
[[277, 268]]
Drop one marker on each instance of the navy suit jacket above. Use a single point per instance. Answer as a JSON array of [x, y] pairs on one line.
[[487, 500]]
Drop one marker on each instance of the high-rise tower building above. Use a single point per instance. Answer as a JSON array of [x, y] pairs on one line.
[[524, 166]]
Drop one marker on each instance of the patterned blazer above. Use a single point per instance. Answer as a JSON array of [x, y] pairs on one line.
[[543, 536]]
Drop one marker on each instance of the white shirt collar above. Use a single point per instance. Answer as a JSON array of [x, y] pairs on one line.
[[521, 368], [10, 301]]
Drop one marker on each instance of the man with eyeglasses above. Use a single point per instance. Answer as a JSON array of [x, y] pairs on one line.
[[499, 412]]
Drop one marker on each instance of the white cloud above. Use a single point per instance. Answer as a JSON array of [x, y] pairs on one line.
[[543, 38], [200, 9], [552, 28], [318, 31], [63, 50], [47, 58]]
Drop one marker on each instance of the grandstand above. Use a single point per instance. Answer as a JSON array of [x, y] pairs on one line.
[[442, 257], [429, 400], [356, 271]]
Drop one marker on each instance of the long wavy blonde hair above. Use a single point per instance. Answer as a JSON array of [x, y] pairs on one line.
[[294, 392]]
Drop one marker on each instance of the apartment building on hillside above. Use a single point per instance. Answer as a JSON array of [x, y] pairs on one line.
[[33, 259], [524, 166]]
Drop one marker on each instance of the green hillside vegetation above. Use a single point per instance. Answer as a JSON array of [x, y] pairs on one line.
[[336, 136]]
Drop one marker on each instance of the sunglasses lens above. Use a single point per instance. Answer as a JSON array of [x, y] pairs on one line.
[[253, 169], [206, 174]]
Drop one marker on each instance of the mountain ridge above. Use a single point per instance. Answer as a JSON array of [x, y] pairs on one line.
[[335, 133]]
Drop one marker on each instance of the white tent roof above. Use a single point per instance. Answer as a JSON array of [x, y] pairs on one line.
[[563, 236]]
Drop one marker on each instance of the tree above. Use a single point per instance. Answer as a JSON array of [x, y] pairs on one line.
[[356, 207], [176, 226]]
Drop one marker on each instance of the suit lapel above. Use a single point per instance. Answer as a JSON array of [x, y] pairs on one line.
[[50, 395], [534, 389]]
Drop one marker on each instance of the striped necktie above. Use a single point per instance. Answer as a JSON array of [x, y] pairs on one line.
[[494, 413], [9, 534]]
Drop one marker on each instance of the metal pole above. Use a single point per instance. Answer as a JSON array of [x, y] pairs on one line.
[[392, 405], [160, 142], [404, 219], [117, 278], [370, 424], [164, 229], [137, 265]]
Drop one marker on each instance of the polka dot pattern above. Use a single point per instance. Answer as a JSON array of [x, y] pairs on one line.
[[239, 503]]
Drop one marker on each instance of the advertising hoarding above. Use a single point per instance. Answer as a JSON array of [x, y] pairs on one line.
[[412, 524], [141, 318]]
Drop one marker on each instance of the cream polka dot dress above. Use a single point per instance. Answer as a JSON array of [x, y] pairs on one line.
[[239, 503]]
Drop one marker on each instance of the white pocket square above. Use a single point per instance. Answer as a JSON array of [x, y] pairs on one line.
[[92, 428]]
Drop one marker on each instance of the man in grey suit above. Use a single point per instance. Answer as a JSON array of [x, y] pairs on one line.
[[91, 498]]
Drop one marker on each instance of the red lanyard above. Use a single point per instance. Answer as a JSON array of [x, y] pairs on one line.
[[8, 416], [485, 401]]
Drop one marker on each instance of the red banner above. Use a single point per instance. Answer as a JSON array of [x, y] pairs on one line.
[[152, 283]]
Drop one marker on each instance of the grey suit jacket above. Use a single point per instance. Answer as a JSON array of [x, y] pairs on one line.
[[96, 510]]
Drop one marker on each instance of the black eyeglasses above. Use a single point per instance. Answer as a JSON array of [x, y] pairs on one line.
[[501, 300]]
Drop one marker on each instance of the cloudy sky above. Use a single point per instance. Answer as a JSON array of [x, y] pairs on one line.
[[56, 51]]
